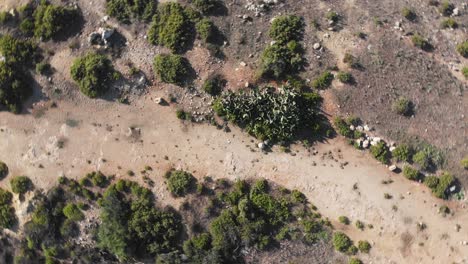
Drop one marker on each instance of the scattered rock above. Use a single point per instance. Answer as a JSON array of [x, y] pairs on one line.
[[392, 168], [261, 145], [317, 46]]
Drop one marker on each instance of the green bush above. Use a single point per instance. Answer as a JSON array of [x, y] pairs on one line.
[[206, 6], [180, 182], [423, 159], [5, 17], [27, 26], [359, 225], [344, 220], [93, 73], [462, 48], [287, 28], [5, 197], [463, 163], [333, 16], [171, 68], [7, 213], [72, 212], [421, 42], [381, 152], [213, 85], [445, 181], [403, 106], [351, 60], [431, 181], [182, 115], [171, 27], [50, 21], [465, 71], [411, 173], [125, 10], [364, 246], [21, 184], [408, 13], [323, 81], [355, 261], [3, 170], [206, 30], [43, 68], [446, 8], [345, 77], [403, 152], [341, 242], [298, 197], [449, 23], [343, 127], [278, 60]]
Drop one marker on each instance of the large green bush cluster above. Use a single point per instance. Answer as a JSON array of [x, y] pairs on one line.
[[125, 10], [411, 173], [50, 21], [172, 68], [403, 152], [446, 180], [285, 56], [7, 212], [93, 73], [172, 27], [180, 182], [21, 184], [18, 57], [268, 114], [341, 242], [381, 152]]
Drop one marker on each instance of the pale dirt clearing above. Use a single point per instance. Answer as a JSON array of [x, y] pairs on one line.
[[72, 141]]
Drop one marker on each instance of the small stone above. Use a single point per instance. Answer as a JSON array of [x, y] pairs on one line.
[[243, 64], [261, 146], [317, 46], [392, 168]]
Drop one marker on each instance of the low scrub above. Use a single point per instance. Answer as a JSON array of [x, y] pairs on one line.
[[364, 246], [51, 21], [341, 242], [411, 173], [180, 182], [465, 71], [462, 48], [7, 212], [21, 184], [3, 170], [380, 152], [403, 152], [421, 42], [323, 81], [287, 28], [403, 106], [214, 85], [172, 68], [126, 11]]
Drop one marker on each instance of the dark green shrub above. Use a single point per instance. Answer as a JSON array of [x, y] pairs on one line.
[[446, 8], [69, 228], [27, 26], [411, 173], [207, 6], [43, 68], [344, 220], [93, 73], [431, 181], [463, 163], [341, 242], [98, 179], [206, 29], [408, 13], [364, 246], [182, 115], [355, 261], [7, 216], [423, 159], [287, 28], [445, 181], [21, 184], [171, 68], [5, 17], [214, 85], [225, 233], [402, 152], [462, 48], [323, 81], [381, 152], [403, 106], [125, 11], [343, 127], [359, 225], [180, 182], [352, 250], [50, 21], [171, 27], [278, 60], [449, 23], [421, 42], [345, 77], [298, 197], [333, 16], [465, 71], [3, 170], [72, 212], [5, 196]]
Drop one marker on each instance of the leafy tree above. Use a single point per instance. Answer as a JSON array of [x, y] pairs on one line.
[[7, 213], [225, 235], [3, 170], [278, 60], [93, 74], [172, 68], [402, 152], [287, 28], [171, 27], [341, 242], [51, 20], [125, 10], [21, 184], [180, 182], [72, 212], [206, 30]]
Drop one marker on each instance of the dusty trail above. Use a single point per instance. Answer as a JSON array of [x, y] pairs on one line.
[[96, 138]]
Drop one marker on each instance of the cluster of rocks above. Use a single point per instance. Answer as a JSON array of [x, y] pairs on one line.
[[260, 7], [101, 36]]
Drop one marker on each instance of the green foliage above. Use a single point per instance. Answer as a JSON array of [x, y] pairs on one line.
[[408, 13], [343, 127], [355, 261], [298, 197], [225, 233], [423, 159], [449, 23], [341, 242], [43, 68], [7, 212], [50, 21], [5, 17], [287, 28], [344, 220], [381, 152], [206, 30], [431, 181], [278, 60], [3, 170], [465, 71], [72, 212], [182, 115], [403, 106], [267, 114], [421, 42], [180, 182], [323, 81], [446, 180], [351, 60], [345, 77], [171, 27], [97, 179], [21, 184], [214, 85], [171, 68], [462, 48], [411, 173], [125, 10], [403, 152], [364, 246], [463, 163], [93, 73], [446, 8], [333, 16], [359, 225], [206, 6]]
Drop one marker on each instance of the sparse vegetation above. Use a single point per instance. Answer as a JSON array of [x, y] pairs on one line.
[[446, 8], [465, 71], [180, 182], [93, 73], [172, 68], [463, 163], [214, 85], [420, 42], [411, 173], [344, 220], [449, 23], [462, 48], [345, 77], [364, 246], [408, 13], [323, 81], [21, 184], [403, 106]]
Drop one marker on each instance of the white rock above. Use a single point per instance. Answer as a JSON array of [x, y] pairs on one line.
[[261, 145], [359, 128], [377, 139], [453, 188], [456, 12], [392, 168], [159, 100], [367, 128], [365, 144], [352, 127], [243, 64], [317, 46], [392, 148]]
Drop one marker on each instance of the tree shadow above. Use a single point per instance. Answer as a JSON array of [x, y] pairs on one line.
[[74, 24]]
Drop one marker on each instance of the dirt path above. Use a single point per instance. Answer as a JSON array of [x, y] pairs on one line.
[[72, 141]]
